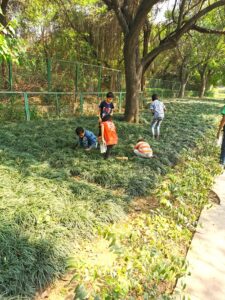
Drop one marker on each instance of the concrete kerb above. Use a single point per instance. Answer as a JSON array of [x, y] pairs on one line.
[[206, 256]]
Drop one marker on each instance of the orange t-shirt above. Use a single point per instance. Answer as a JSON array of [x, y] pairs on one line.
[[143, 148], [110, 135]]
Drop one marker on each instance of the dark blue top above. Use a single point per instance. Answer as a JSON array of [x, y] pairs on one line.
[[88, 140], [106, 108]]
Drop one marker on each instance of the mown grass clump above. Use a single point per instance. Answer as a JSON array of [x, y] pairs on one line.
[[53, 195]]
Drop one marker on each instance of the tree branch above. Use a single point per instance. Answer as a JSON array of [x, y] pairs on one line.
[[147, 32], [173, 10], [171, 40], [3, 19], [113, 4], [181, 14], [62, 4], [144, 8], [108, 3], [190, 8], [4, 5], [205, 30], [126, 10]]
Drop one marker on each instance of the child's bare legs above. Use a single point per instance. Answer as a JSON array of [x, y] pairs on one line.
[[155, 126]]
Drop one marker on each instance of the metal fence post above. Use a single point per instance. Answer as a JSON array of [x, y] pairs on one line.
[[26, 106], [81, 103], [57, 105], [120, 102], [49, 74], [10, 74], [77, 77], [119, 81], [100, 81]]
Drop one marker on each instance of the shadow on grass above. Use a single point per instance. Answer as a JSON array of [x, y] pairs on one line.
[[26, 265]]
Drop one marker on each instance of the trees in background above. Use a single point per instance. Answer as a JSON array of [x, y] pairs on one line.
[[132, 16], [72, 30], [198, 60], [9, 44], [125, 34]]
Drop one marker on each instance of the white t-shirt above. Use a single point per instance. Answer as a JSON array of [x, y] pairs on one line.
[[158, 108]]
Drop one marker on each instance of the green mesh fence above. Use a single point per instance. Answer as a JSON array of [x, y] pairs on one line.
[[18, 106], [29, 75], [38, 87], [45, 74]]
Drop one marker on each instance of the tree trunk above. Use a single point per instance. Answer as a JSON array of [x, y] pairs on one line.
[[3, 18], [133, 88], [183, 84], [208, 77], [146, 37], [143, 82], [203, 82], [182, 90], [3, 22], [133, 75], [4, 76], [184, 76], [133, 84]]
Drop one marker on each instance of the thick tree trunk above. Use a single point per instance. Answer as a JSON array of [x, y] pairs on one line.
[[142, 82], [133, 75], [132, 100], [133, 84]]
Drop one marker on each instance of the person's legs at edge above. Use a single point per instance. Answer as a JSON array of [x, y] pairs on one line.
[[159, 121], [108, 151], [222, 155], [153, 124]]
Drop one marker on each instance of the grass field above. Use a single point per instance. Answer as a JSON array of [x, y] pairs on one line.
[[53, 195]]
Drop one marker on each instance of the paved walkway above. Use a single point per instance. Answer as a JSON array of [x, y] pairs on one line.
[[206, 256]]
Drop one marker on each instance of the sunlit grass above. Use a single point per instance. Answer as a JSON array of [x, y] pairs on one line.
[[54, 195]]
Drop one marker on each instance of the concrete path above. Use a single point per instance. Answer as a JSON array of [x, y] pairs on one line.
[[206, 256]]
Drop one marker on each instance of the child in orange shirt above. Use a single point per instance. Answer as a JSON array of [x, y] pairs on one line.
[[143, 149], [108, 134]]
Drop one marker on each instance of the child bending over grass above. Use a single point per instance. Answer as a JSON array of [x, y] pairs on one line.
[[87, 139], [143, 149], [108, 134]]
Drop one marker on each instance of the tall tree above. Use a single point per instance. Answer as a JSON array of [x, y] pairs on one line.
[[184, 17], [211, 63], [8, 43]]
